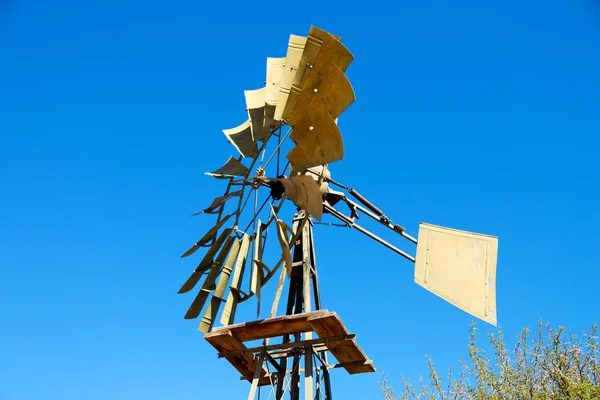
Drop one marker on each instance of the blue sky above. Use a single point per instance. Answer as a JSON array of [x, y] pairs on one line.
[[481, 116]]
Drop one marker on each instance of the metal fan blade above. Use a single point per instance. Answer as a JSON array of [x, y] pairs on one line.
[[218, 295], [304, 192], [205, 263], [231, 169], [205, 239], [460, 267], [255, 105], [241, 138], [292, 59], [236, 282], [318, 141], [198, 303], [275, 68], [257, 275], [218, 202], [285, 247], [320, 47], [254, 282], [325, 88]]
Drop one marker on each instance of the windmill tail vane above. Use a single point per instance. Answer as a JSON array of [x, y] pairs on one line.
[[295, 116]]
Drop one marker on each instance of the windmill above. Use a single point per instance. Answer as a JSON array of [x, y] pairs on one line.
[[282, 157]]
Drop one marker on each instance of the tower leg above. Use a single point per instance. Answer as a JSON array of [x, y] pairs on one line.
[[300, 299]]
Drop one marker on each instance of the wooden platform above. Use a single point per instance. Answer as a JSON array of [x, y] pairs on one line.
[[228, 340]]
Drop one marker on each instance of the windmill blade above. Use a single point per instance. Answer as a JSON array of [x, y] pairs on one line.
[[321, 51], [218, 295], [217, 203], [257, 271], [241, 138], [255, 104], [318, 140], [304, 192], [206, 262], [275, 69], [231, 169], [236, 283], [326, 87], [460, 267], [198, 303], [292, 60], [206, 238], [282, 228]]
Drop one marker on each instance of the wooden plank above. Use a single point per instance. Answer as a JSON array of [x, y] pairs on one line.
[[228, 340], [271, 327], [347, 351], [245, 363]]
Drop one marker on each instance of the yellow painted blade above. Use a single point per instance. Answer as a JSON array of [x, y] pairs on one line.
[[206, 262], [257, 273], [232, 168], [318, 140], [218, 295], [198, 303], [321, 50], [208, 236], [292, 60], [236, 282], [326, 88], [217, 203], [255, 105], [285, 247], [241, 138], [275, 68]]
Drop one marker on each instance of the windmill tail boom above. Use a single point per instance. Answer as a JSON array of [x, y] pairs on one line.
[[365, 202], [350, 222]]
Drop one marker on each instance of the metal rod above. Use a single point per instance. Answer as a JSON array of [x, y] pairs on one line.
[[237, 217], [256, 213], [366, 202], [359, 228], [278, 146], [387, 224]]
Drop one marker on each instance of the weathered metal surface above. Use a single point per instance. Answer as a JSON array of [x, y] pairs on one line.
[[230, 169], [241, 138], [327, 88], [257, 270], [292, 60], [255, 105], [275, 70], [304, 192], [282, 230], [460, 267], [207, 287], [208, 236], [219, 293], [236, 282], [318, 140], [206, 262], [321, 51], [217, 202]]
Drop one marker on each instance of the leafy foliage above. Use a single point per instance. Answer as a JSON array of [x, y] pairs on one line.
[[545, 364]]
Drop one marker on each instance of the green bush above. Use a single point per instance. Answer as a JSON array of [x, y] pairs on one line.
[[546, 364]]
